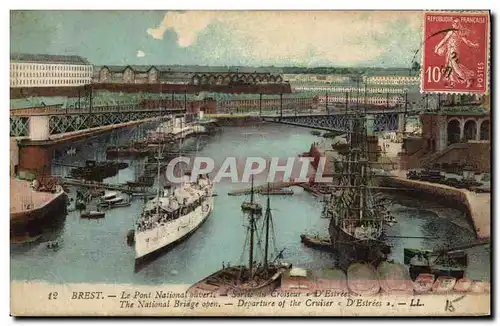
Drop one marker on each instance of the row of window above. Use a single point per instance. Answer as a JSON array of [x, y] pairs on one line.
[[389, 79], [48, 74], [351, 89], [264, 102], [369, 101], [24, 66], [26, 82]]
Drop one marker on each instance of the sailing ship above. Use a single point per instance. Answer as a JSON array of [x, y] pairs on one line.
[[173, 215], [262, 278], [356, 219]]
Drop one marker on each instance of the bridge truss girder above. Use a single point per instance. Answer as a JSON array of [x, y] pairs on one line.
[[19, 125], [381, 121]]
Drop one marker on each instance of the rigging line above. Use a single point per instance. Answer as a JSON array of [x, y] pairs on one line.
[[259, 245], [273, 230], [244, 246]]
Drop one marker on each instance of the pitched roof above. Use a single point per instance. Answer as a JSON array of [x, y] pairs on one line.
[[191, 69], [49, 58]]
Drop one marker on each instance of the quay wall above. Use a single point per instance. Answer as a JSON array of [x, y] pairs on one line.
[[477, 206]]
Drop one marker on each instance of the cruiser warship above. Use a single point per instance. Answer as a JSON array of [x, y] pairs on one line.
[[173, 215]]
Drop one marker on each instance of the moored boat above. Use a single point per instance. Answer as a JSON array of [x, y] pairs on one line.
[[438, 263], [96, 192], [333, 279], [316, 242], [256, 278], [449, 264], [463, 285], [92, 214], [362, 279], [298, 280], [109, 195], [279, 192], [444, 284], [356, 220], [418, 262], [480, 287], [112, 200], [423, 283], [394, 278]]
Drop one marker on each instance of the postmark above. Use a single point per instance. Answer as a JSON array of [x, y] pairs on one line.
[[456, 53]]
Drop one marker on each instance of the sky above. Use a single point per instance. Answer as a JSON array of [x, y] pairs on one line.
[[255, 38]]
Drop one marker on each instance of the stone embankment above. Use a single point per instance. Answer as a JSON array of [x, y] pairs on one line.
[[477, 204]]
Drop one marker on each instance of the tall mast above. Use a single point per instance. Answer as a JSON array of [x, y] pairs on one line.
[[158, 188], [268, 218], [250, 255], [159, 167], [251, 192]]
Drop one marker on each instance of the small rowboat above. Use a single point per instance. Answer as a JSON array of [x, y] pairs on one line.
[[316, 242], [423, 283], [92, 214], [298, 280], [463, 285], [362, 279], [444, 284], [120, 204], [480, 287], [394, 278], [333, 279]]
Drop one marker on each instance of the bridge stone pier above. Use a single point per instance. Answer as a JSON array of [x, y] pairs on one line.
[[39, 128]]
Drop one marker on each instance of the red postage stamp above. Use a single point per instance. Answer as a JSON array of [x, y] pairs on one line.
[[456, 53]]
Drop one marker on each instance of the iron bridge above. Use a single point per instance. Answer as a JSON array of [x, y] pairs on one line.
[[62, 120], [381, 120]]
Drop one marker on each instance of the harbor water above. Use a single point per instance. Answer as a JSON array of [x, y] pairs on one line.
[[96, 250]]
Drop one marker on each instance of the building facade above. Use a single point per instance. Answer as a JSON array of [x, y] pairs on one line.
[[266, 104], [381, 100], [386, 89], [187, 75], [44, 70]]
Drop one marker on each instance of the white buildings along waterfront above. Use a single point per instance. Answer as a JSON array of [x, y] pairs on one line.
[[47, 70]]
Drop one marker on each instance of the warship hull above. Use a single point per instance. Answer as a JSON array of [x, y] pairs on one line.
[[152, 243]]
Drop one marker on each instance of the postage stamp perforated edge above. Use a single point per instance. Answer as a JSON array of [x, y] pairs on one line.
[[487, 51]]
